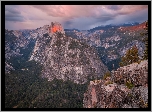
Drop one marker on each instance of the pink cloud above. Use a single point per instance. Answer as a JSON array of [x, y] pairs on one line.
[[68, 11], [71, 16], [71, 11], [127, 9]]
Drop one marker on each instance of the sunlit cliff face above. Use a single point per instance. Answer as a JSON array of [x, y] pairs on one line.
[[55, 27]]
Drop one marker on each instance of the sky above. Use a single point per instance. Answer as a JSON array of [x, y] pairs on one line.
[[82, 17]]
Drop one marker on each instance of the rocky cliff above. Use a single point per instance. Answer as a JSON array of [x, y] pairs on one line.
[[126, 88], [14, 42], [66, 58]]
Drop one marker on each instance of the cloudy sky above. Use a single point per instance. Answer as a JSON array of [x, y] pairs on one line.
[[82, 17]]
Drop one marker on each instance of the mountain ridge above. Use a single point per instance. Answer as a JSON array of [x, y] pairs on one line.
[[63, 57], [112, 41]]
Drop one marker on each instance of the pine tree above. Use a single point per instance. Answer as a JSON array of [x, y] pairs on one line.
[[130, 57]]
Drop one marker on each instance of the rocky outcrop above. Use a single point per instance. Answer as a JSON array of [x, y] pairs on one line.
[[8, 68], [66, 58], [55, 27], [108, 93], [135, 73]]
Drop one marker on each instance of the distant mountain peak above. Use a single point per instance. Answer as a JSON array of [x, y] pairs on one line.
[[56, 27]]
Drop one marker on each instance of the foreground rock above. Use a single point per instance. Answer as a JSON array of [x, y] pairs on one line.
[[135, 73], [109, 94]]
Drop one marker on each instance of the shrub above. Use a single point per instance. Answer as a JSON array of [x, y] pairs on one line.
[[107, 74], [129, 85], [146, 105], [109, 82]]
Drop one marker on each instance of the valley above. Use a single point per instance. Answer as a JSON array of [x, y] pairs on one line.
[[52, 67]]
